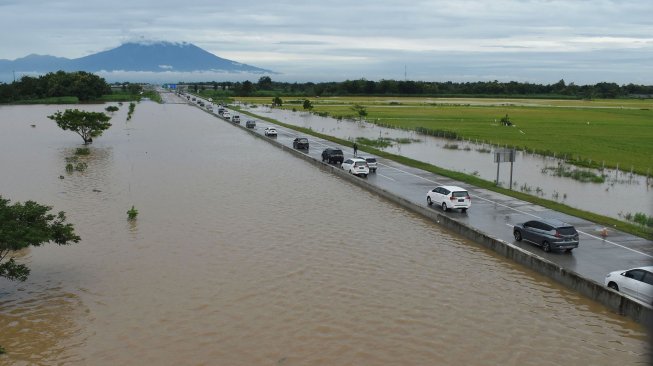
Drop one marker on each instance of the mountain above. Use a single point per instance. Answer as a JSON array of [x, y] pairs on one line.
[[150, 57]]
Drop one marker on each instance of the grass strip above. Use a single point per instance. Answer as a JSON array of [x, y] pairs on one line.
[[636, 230]]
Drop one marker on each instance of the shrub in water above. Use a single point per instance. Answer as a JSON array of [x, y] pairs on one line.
[[132, 213], [82, 151]]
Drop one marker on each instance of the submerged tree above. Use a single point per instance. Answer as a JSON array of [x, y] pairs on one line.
[[360, 110], [308, 105], [86, 124], [29, 224], [506, 121]]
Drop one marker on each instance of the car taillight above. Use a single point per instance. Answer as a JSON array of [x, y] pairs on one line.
[[469, 198], [557, 234], [452, 198]]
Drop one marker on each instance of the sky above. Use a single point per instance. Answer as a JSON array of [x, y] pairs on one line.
[[539, 41]]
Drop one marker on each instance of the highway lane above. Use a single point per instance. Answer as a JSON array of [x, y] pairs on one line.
[[494, 213]]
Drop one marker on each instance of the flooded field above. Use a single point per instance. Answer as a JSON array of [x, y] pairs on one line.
[[245, 255], [530, 172]]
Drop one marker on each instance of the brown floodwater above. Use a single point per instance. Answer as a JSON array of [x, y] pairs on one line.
[[245, 255]]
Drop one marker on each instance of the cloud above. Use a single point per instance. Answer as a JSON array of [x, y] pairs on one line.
[[353, 38]]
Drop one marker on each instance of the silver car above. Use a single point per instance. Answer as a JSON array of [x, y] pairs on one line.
[[550, 234], [371, 162]]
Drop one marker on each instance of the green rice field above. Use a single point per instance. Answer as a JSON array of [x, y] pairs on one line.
[[614, 133]]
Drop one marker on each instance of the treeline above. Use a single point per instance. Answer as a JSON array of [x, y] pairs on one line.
[[83, 85], [265, 87]]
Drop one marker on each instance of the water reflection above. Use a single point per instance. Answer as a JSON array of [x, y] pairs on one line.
[[245, 255], [529, 173]]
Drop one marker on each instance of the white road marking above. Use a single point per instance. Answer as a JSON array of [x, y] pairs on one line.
[[381, 175]]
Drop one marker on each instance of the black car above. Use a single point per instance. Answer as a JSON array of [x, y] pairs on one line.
[[333, 156], [550, 234], [300, 143]]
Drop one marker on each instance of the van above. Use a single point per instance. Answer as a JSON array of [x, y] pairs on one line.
[[226, 116], [236, 119]]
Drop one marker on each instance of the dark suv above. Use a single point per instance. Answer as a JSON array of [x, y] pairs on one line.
[[300, 143], [550, 234], [333, 156]]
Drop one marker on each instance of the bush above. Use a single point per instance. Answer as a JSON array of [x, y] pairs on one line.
[[132, 213]]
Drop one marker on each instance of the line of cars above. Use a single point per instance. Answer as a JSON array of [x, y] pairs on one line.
[[358, 165]]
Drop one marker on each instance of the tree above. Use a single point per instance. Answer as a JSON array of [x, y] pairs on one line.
[[277, 102], [245, 89], [360, 110], [506, 121], [134, 89], [29, 224], [85, 124], [307, 104], [265, 83]]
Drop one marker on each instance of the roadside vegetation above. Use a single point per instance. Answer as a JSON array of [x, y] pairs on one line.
[[629, 227]]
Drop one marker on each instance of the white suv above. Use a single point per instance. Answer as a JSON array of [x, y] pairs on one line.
[[356, 166], [449, 197], [270, 131]]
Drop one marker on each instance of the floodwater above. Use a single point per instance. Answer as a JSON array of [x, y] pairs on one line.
[[244, 255], [622, 192]]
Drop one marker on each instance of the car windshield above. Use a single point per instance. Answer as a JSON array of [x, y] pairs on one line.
[[567, 230], [303, 140], [336, 152], [460, 194], [359, 163], [371, 160]]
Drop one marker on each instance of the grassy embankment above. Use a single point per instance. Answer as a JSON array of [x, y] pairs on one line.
[[637, 230], [610, 133]]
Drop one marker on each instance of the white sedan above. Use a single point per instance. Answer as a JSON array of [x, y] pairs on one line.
[[270, 131], [636, 282]]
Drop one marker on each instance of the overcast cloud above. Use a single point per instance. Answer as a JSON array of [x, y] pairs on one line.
[[539, 41]]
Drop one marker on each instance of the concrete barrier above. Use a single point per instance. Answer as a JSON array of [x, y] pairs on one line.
[[613, 300]]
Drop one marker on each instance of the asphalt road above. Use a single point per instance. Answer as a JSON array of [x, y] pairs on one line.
[[491, 212]]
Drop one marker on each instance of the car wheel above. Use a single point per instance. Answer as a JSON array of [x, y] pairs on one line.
[[546, 246], [364, 175], [444, 206], [517, 235], [463, 210], [613, 286], [569, 250], [428, 200]]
